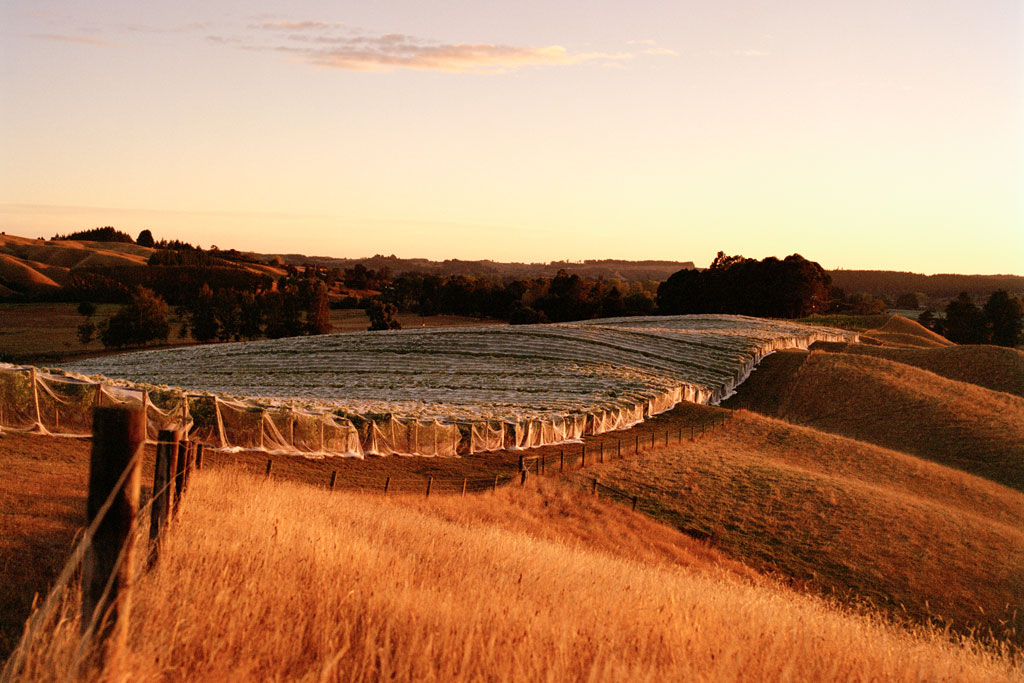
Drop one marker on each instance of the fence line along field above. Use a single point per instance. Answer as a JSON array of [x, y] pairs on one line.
[[442, 391]]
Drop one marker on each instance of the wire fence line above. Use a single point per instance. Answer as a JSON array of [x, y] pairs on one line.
[[105, 550]]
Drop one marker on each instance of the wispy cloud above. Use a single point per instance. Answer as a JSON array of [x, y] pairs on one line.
[[336, 46], [81, 40], [294, 25], [664, 51], [751, 53]]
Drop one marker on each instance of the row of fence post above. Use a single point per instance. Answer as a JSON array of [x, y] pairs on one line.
[[112, 507]]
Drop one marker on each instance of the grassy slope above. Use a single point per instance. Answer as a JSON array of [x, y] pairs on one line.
[[912, 410], [401, 589], [842, 516], [994, 367]]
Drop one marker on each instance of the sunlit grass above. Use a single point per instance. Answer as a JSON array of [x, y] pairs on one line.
[[265, 580]]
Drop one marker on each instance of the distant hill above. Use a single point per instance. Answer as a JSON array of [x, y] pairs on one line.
[[591, 270], [891, 283]]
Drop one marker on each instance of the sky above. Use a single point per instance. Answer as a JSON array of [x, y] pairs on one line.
[[871, 134]]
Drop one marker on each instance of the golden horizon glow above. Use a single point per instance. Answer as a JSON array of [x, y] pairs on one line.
[[882, 135]]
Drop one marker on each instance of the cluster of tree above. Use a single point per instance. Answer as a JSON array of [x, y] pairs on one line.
[[1000, 321], [562, 298], [791, 288], [296, 306], [104, 234], [175, 284], [891, 284], [142, 320]]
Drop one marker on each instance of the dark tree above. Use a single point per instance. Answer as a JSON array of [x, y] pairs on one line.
[[382, 316], [318, 315], [86, 332], [87, 309], [1005, 316], [145, 239], [203, 316], [965, 324], [142, 320]]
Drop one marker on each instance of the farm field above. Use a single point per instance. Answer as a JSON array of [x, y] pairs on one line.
[[913, 555], [470, 389]]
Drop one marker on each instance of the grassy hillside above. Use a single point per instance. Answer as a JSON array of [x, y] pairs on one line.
[[282, 581], [912, 410], [994, 367], [843, 517]]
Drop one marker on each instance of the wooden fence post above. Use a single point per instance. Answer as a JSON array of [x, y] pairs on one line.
[[634, 503], [430, 482], [691, 433], [270, 466], [636, 446], [666, 437], [35, 397], [464, 487], [179, 473], [652, 439], [334, 478], [561, 460], [593, 489], [119, 435], [163, 486], [583, 456], [190, 460], [387, 484], [199, 456], [495, 487], [602, 452]]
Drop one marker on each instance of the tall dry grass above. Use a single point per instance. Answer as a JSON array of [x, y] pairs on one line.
[[277, 581]]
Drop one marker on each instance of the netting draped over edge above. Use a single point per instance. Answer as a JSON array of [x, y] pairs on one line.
[[31, 400], [61, 405]]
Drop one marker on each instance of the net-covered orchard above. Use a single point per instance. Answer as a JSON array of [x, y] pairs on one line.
[[449, 391]]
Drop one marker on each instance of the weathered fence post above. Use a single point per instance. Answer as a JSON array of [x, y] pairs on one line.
[[190, 460], [179, 473], [636, 446], [163, 487], [387, 484], [666, 437], [652, 439], [430, 482], [561, 460], [199, 456], [593, 489], [334, 478], [634, 503], [464, 487], [270, 466], [602, 452], [691, 433], [583, 456], [495, 487], [119, 435]]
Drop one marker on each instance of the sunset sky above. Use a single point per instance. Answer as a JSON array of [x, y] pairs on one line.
[[871, 134]]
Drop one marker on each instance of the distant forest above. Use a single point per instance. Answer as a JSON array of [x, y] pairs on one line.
[[891, 284]]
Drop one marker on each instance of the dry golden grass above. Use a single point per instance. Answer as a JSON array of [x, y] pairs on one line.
[[900, 332], [911, 410], [916, 539], [263, 580], [994, 367]]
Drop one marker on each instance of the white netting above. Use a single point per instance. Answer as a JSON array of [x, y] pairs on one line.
[[440, 392]]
